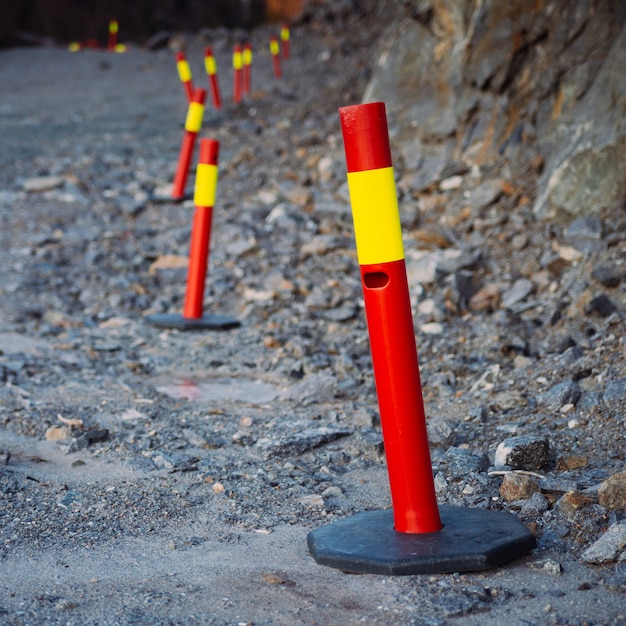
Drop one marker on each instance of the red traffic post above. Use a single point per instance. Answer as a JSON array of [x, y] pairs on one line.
[[211, 69], [237, 73], [184, 73], [193, 124], [275, 52], [113, 28], [205, 192], [285, 36], [247, 68], [416, 536]]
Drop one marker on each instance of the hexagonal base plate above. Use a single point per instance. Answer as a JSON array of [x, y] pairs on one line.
[[206, 322], [471, 540]]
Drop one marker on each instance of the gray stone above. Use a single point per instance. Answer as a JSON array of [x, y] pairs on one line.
[[609, 548], [485, 194], [565, 392], [523, 452], [608, 275], [535, 506], [557, 486], [461, 462], [615, 395], [441, 433], [41, 183], [299, 442], [520, 289], [586, 234]]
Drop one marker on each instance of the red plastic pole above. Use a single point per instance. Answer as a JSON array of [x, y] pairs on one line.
[[204, 200], [237, 78], [285, 36], [184, 73], [211, 70], [193, 123], [380, 253], [247, 68], [275, 52], [113, 28]]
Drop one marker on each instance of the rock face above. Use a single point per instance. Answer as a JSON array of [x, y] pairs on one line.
[[537, 88]]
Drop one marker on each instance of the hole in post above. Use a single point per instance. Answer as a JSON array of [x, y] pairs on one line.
[[376, 280]]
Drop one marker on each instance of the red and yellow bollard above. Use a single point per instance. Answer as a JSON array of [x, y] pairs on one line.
[[237, 77], [416, 536], [204, 201], [247, 68], [193, 124], [184, 73], [285, 36], [211, 69], [275, 52], [205, 192], [113, 30], [371, 184]]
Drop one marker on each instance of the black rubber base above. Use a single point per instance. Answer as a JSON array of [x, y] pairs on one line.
[[471, 540], [206, 322]]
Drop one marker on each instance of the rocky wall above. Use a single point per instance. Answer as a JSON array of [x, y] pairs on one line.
[[534, 92]]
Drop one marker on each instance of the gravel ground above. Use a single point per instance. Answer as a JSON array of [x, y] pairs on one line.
[[158, 476]]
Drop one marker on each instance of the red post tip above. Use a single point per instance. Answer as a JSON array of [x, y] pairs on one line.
[[199, 96], [366, 137], [180, 56], [209, 151], [208, 51]]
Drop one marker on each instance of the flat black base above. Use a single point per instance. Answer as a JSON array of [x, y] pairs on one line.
[[206, 322], [471, 540]]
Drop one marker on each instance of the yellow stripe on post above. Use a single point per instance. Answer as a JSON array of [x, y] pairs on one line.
[[206, 185], [193, 123], [247, 56], [210, 65], [184, 71], [113, 27], [376, 216], [274, 48], [237, 60]]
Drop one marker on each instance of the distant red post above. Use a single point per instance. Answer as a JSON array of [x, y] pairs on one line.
[[204, 200], [211, 70], [193, 124], [237, 78], [247, 68], [113, 28], [184, 73], [275, 52], [285, 36]]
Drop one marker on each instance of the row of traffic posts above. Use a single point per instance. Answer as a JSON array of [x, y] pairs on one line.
[[205, 189], [415, 536]]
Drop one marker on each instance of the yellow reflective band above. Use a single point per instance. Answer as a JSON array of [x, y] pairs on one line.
[[193, 123], [247, 57], [113, 28], [274, 47], [184, 71], [120, 47], [284, 34], [210, 65], [206, 185], [376, 216], [74, 46], [237, 60]]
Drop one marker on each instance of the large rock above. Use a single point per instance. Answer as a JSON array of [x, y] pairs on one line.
[[536, 87]]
